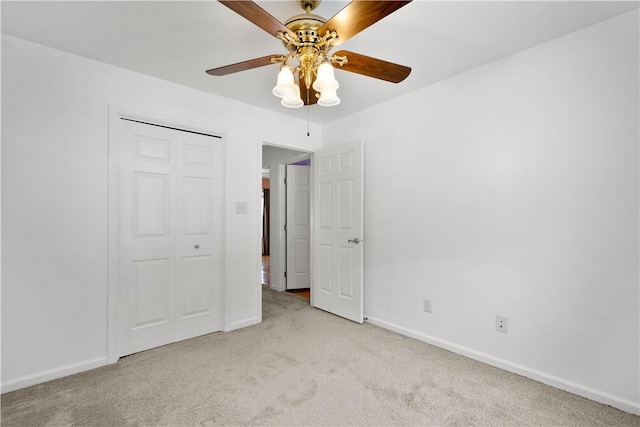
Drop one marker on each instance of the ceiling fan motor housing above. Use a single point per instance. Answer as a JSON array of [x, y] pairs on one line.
[[306, 27], [308, 43]]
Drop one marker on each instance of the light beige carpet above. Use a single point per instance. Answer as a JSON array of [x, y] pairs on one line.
[[301, 366]]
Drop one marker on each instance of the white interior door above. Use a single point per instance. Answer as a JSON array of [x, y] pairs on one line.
[[170, 235], [298, 227], [338, 230]]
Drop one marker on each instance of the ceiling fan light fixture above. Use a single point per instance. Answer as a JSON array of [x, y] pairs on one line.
[[325, 80], [329, 98], [284, 83], [309, 39]]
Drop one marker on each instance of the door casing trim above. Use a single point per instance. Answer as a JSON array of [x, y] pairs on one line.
[[278, 218]]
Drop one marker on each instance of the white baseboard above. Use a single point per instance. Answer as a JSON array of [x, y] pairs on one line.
[[52, 374], [242, 324], [552, 380]]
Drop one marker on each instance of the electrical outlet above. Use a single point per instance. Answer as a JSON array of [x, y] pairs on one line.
[[501, 324], [426, 305]]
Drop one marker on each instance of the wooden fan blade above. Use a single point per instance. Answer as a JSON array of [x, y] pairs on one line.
[[242, 66], [313, 95], [358, 15], [372, 67], [257, 15]]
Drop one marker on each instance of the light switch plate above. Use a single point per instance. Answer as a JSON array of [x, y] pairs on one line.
[[241, 207]]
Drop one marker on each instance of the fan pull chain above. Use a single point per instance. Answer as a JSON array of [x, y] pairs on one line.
[[308, 108]]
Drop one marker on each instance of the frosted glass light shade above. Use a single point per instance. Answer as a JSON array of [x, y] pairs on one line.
[[328, 98], [325, 80], [285, 82], [292, 98]]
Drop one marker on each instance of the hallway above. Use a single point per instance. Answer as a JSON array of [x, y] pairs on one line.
[[266, 279]]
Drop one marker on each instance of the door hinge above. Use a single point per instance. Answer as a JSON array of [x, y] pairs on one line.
[[285, 227], [285, 274], [285, 180]]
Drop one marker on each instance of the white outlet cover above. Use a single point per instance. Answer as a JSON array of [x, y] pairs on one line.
[[502, 324]]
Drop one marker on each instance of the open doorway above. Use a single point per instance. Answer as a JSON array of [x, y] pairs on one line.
[[286, 204]]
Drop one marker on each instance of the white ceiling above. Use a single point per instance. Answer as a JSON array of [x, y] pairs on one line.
[[272, 153], [178, 41]]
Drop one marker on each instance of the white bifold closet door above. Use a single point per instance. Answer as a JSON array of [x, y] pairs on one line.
[[170, 235]]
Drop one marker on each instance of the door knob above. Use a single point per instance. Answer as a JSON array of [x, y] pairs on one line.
[[197, 246], [356, 240]]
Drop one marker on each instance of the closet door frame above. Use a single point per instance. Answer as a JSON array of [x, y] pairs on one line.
[[116, 113]]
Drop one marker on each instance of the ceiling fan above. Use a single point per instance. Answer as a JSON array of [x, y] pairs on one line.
[[309, 39]]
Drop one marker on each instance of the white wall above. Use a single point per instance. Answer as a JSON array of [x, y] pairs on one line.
[[513, 189], [55, 200]]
